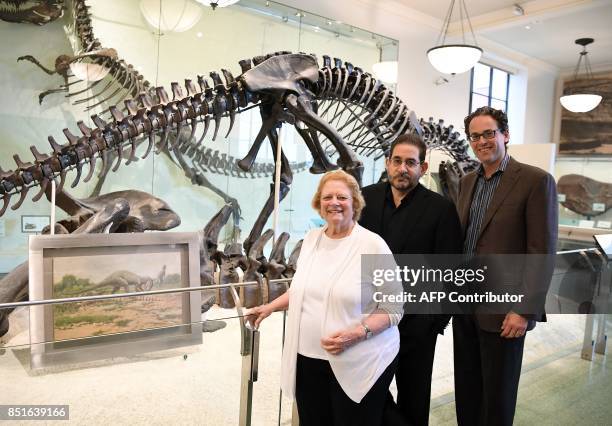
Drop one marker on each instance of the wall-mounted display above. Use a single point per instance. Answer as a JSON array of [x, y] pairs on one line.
[[83, 265], [585, 196], [34, 224]]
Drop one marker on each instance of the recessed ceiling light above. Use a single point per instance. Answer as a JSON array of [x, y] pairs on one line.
[[199, 35], [527, 27]]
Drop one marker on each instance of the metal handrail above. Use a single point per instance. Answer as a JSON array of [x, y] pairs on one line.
[[133, 294], [577, 250]]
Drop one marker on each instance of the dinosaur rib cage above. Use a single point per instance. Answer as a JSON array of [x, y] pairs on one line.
[[363, 111], [369, 116]]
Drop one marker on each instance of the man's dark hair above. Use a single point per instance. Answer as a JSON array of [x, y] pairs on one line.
[[410, 139], [498, 115]]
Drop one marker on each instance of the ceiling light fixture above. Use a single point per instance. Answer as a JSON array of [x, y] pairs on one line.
[[577, 100], [88, 71], [385, 71], [218, 3], [177, 16], [454, 58]]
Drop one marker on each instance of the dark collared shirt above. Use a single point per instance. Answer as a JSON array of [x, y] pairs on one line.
[[483, 194], [393, 217]]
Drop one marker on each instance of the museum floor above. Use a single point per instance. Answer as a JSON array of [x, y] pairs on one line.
[[561, 389], [557, 386]]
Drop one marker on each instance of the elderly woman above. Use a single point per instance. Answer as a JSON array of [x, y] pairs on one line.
[[340, 349]]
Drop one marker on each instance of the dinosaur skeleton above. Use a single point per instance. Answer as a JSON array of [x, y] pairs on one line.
[[287, 88]]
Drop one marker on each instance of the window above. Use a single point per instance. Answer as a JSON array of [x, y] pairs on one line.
[[489, 87]]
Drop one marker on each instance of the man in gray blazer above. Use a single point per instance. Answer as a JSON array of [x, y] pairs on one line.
[[505, 208]]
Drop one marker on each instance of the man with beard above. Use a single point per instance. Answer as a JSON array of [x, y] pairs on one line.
[[412, 220]]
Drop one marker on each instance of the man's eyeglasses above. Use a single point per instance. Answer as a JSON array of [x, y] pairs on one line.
[[487, 134], [410, 163]]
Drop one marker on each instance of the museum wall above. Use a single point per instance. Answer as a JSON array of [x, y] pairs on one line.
[[584, 150]]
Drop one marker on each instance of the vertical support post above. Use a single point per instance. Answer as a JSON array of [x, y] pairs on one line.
[[604, 301], [52, 224], [249, 350], [250, 361], [277, 173], [602, 338], [587, 342]]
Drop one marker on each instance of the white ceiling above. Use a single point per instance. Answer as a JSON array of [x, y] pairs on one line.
[[439, 8], [552, 40], [554, 25]]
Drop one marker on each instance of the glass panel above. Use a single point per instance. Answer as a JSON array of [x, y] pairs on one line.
[[208, 179], [497, 104], [578, 207], [478, 101], [481, 79], [499, 89], [165, 371], [163, 383]]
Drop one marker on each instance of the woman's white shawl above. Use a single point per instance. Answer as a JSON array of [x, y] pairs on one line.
[[348, 301]]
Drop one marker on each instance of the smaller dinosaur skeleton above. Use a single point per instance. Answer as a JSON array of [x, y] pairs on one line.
[[38, 12], [66, 65]]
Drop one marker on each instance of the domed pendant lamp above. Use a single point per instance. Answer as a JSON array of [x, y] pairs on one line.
[[578, 100], [454, 58]]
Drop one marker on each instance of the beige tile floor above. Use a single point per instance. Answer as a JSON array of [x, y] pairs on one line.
[[557, 386]]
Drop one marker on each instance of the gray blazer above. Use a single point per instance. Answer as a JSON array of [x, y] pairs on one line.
[[522, 218]]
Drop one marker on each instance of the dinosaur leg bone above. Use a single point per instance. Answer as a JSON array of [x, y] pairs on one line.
[[301, 107]]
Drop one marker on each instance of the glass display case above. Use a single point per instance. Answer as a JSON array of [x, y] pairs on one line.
[[160, 55], [584, 186]]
